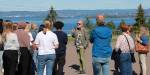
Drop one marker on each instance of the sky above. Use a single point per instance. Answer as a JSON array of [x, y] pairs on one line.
[[43, 5]]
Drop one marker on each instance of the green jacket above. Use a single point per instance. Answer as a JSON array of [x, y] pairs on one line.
[[84, 37]]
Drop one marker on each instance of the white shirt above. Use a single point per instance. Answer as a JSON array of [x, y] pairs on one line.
[[31, 38], [123, 44], [11, 42], [46, 42]]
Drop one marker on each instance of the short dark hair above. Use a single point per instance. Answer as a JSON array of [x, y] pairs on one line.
[[58, 25], [8, 21], [1, 20]]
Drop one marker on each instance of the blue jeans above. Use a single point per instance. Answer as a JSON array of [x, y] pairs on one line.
[[101, 66], [46, 61], [125, 64], [35, 53]]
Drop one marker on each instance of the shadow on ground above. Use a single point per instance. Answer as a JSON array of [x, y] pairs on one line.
[[75, 67], [116, 72]]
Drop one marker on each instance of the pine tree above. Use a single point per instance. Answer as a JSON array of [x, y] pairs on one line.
[[149, 21], [52, 16], [88, 24], [140, 20]]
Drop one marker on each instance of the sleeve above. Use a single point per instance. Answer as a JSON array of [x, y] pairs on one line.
[[65, 38], [17, 42], [118, 42], [31, 37], [86, 35], [144, 40], [132, 45], [91, 37], [55, 40], [37, 40]]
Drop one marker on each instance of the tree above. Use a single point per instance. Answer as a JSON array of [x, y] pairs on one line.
[[148, 24], [88, 24], [149, 21], [140, 20], [111, 25], [52, 16]]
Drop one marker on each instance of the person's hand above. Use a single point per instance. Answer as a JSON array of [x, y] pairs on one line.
[[73, 30], [34, 47]]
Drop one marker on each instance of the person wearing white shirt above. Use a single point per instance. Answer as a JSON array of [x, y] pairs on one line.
[[46, 42], [11, 47]]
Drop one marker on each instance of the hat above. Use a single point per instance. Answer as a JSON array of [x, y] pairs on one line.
[[21, 25]]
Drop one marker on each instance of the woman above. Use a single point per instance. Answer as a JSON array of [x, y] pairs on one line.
[[125, 44], [11, 47], [143, 39], [46, 42]]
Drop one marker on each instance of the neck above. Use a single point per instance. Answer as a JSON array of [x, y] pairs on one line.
[[59, 30]]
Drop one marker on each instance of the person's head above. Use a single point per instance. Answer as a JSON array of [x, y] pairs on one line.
[[28, 26], [48, 25], [21, 25], [58, 25], [100, 20], [9, 26], [1, 22], [33, 26], [7, 21], [41, 27], [144, 30], [15, 26], [80, 24], [126, 28]]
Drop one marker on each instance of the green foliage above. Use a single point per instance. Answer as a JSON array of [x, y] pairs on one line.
[[140, 20], [52, 15], [88, 24], [149, 21], [111, 25]]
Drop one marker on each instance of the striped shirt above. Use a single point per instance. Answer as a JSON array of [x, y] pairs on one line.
[[23, 38], [122, 43]]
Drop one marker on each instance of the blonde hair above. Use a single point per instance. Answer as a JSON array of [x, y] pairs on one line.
[[8, 29], [48, 24], [145, 30]]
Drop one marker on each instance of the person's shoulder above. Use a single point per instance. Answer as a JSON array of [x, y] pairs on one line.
[[51, 33], [13, 34]]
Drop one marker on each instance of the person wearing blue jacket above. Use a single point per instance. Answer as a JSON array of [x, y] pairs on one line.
[[143, 39], [101, 52]]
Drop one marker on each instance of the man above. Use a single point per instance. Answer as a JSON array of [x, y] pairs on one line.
[[46, 42], [81, 43], [61, 50], [101, 38]]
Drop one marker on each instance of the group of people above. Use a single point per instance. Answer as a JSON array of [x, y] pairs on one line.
[[28, 49]]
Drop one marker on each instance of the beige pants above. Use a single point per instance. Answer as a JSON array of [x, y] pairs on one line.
[[80, 53], [142, 59]]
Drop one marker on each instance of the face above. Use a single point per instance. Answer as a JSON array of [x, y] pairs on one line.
[[34, 26], [79, 24], [142, 29]]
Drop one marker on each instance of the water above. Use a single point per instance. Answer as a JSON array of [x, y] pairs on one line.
[[70, 23]]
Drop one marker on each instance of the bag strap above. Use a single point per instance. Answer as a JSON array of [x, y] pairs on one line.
[[128, 42]]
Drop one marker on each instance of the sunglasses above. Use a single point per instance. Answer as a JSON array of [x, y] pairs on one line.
[[78, 23]]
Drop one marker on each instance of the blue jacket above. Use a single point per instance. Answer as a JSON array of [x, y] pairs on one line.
[[145, 39], [101, 38]]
